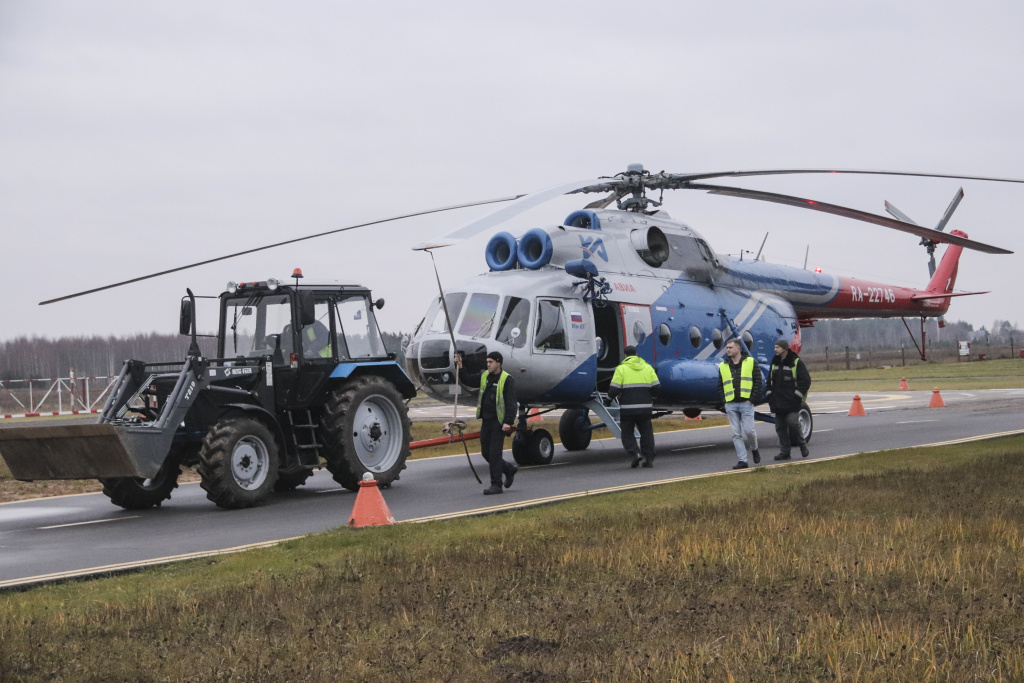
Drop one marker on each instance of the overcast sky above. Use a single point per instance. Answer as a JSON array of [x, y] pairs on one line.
[[136, 137]]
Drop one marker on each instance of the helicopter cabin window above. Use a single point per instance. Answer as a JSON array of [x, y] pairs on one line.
[[716, 338], [748, 340], [695, 336], [707, 252], [357, 329], [515, 317], [550, 330], [664, 334], [684, 253], [479, 318], [436, 317]]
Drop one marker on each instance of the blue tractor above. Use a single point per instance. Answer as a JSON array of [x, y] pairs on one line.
[[301, 381]]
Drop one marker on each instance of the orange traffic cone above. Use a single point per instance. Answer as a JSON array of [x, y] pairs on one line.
[[699, 417], [857, 409], [903, 385], [936, 401], [535, 416], [370, 508]]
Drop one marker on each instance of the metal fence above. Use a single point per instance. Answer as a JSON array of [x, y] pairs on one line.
[[854, 358], [56, 396]]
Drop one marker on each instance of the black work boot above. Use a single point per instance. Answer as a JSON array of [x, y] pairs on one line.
[[782, 456], [510, 476], [740, 465], [636, 461], [491, 490], [804, 452], [757, 456]]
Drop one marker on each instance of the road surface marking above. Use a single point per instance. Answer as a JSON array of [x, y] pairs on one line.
[[95, 521], [692, 448], [910, 422]]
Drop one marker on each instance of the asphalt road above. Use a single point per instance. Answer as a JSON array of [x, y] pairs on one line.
[[56, 538]]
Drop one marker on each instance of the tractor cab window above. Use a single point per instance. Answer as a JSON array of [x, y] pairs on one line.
[[550, 331], [479, 319], [515, 316], [357, 329], [316, 338], [256, 325]]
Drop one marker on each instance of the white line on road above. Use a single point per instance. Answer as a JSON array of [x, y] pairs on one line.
[[910, 422], [692, 448], [822, 431], [95, 521]]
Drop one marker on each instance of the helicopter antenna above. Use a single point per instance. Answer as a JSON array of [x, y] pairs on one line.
[[758, 257]]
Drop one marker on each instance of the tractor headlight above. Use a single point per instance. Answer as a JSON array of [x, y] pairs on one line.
[[272, 284], [232, 287]]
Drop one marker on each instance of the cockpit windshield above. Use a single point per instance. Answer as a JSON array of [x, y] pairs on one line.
[[479, 319], [515, 316], [435, 318]]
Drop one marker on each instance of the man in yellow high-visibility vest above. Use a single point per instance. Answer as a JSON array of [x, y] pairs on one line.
[[740, 384], [496, 409], [635, 383]]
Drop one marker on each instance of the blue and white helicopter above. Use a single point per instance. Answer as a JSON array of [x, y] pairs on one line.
[[561, 302]]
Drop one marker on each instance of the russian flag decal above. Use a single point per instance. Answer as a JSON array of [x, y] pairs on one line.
[[577, 318]]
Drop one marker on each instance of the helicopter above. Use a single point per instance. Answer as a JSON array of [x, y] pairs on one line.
[[562, 302]]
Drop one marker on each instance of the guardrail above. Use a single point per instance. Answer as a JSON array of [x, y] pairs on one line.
[[55, 396]]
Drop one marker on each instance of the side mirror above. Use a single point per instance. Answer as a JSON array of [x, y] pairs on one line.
[[307, 308], [185, 317], [379, 303]]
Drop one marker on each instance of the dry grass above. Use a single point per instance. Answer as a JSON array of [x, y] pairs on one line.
[[904, 565], [994, 374]]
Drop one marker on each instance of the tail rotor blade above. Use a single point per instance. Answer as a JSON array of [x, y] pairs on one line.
[[949, 210]]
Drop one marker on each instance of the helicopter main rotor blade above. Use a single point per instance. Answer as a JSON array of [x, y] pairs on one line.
[[523, 202], [672, 181], [855, 214], [279, 244]]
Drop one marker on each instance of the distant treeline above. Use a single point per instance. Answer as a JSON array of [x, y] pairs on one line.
[[868, 334], [40, 357]]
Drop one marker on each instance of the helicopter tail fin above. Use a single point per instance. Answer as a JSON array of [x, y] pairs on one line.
[[945, 274]]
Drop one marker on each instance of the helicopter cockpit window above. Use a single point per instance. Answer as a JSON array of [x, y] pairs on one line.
[[707, 253], [254, 324], [515, 317], [716, 338], [479, 318], [695, 336], [550, 331], [357, 329], [438, 324]]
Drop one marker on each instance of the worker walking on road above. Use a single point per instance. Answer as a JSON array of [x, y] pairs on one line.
[[740, 386], [788, 382], [635, 383], [496, 408]]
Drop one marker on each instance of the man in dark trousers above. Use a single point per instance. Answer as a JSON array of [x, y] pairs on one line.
[[635, 383], [496, 407], [788, 382], [739, 382]]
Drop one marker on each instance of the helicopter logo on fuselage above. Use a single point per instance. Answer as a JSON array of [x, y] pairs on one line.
[[593, 246]]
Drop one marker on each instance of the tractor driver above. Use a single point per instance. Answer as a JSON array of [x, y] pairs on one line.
[[316, 341]]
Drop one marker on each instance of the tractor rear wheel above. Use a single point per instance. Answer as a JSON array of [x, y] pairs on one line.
[[574, 429], [238, 462], [136, 493], [366, 428]]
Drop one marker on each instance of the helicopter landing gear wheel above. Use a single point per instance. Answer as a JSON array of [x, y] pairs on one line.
[[366, 428], [574, 429], [535, 448], [238, 463], [806, 422]]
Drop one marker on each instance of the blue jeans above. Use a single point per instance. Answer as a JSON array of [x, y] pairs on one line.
[[741, 422]]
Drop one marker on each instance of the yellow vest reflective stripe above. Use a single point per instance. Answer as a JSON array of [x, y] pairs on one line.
[[746, 378], [499, 398], [325, 352]]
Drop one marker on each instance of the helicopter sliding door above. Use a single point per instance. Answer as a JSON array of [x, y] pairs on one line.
[[563, 342], [636, 324]]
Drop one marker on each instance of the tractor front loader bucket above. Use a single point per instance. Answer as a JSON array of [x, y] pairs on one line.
[[132, 438], [81, 451]]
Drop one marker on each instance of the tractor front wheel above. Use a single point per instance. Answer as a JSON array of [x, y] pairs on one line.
[[136, 493], [238, 463]]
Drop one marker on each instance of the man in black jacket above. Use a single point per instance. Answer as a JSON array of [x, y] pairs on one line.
[[496, 408], [788, 382]]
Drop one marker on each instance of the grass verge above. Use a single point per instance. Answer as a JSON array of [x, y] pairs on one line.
[[902, 565], [994, 374]]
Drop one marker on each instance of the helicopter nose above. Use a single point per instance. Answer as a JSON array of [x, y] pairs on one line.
[[431, 363]]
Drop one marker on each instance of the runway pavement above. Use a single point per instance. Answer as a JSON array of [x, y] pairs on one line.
[[57, 538]]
